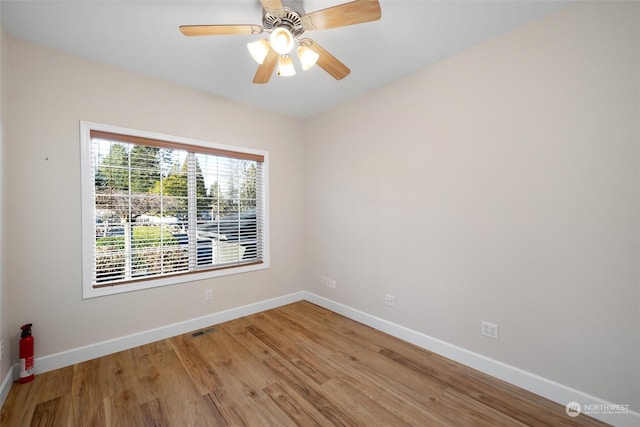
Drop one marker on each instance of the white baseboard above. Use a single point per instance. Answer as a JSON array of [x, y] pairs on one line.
[[92, 351], [541, 386], [6, 386]]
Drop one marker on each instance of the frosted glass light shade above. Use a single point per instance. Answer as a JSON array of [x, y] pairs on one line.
[[285, 66], [281, 40], [307, 57], [259, 50]]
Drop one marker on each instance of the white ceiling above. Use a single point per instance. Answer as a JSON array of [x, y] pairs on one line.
[[143, 36]]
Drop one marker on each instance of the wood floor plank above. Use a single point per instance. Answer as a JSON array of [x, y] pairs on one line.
[[460, 408], [275, 338], [116, 372], [240, 378], [240, 404], [393, 383], [296, 407], [153, 414], [57, 384], [201, 372], [272, 352], [496, 394], [318, 319], [413, 405], [122, 409], [312, 326], [311, 394], [303, 361], [85, 393], [300, 327], [366, 363], [224, 413], [165, 389], [350, 399], [54, 412], [296, 365], [222, 348], [20, 403]]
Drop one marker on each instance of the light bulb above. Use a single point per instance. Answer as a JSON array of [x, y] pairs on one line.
[[307, 57], [285, 66], [281, 40], [259, 50]]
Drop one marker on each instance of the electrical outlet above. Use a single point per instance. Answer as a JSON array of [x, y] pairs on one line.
[[208, 295], [329, 283], [390, 300], [489, 330]]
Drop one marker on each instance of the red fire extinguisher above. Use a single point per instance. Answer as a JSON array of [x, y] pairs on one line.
[[27, 366]]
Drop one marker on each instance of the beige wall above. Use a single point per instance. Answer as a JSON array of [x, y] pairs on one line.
[[49, 93], [502, 185], [5, 364]]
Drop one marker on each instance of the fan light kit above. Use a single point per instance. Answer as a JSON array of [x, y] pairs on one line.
[[286, 21], [281, 40]]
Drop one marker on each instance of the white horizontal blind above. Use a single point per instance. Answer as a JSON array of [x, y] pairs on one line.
[[162, 209]]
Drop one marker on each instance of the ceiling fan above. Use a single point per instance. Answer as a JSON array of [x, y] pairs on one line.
[[286, 21]]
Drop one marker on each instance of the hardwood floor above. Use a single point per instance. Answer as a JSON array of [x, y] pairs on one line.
[[297, 365]]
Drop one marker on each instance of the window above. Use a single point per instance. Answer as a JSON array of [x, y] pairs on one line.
[[160, 210]]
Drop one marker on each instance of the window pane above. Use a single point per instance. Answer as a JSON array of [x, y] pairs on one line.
[[160, 210]]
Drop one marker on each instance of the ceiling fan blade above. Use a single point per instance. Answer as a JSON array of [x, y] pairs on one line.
[[272, 6], [265, 70], [219, 30], [354, 12], [328, 62]]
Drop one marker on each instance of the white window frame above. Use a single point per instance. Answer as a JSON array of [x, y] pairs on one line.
[[88, 219]]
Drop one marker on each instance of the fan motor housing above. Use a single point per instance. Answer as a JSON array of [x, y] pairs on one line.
[[289, 19]]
